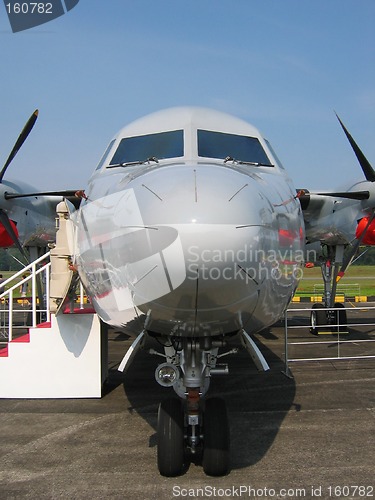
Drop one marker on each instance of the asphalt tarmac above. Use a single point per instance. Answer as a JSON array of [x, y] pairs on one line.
[[309, 436]]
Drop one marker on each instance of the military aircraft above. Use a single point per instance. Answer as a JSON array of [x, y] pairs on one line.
[[191, 220]]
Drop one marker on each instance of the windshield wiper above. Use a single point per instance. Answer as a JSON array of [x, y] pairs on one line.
[[252, 163], [132, 163]]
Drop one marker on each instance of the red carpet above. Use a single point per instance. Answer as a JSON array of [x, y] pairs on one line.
[[4, 352], [23, 338]]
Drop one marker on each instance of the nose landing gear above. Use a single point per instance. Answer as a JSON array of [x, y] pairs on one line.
[[206, 437], [192, 428]]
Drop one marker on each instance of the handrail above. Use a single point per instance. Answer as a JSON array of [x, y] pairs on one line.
[[33, 273], [23, 270]]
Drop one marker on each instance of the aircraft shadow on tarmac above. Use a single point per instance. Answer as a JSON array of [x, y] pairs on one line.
[[257, 402]]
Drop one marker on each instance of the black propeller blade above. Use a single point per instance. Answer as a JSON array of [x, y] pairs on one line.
[[4, 219], [21, 139], [355, 195], [74, 196], [365, 165], [369, 173], [67, 193]]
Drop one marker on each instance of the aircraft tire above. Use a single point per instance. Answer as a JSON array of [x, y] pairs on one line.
[[317, 318], [170, 438], [216, 440], [340, 316]]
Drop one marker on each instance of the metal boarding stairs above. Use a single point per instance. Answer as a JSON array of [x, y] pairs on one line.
[[49, 346]]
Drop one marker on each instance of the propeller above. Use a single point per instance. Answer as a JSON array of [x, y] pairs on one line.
[[75, 197], [66, 193], [369, 173], [4, 219], [19, 142], [365, 165], [9, 229], [354, 195], [367, 169]]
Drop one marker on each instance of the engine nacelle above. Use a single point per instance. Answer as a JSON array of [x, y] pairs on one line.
[[5, 240], [369, 237]]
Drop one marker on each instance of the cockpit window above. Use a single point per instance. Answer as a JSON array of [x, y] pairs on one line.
[[140, 148], [106, 153], [274, 154], [238, 147]]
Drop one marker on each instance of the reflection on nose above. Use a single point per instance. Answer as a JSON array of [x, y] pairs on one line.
[[222, 220], [187, 245]]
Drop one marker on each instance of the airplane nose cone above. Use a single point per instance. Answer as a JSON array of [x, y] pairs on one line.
[[192, 247]]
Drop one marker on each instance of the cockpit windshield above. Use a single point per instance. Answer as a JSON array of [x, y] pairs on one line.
[[139, 149], [237, 147]]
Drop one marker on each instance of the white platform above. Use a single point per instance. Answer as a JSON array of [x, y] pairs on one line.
[[66, 360]]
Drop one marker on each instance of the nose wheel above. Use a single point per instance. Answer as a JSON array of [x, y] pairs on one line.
[[216, 439], [174, 443], [171, 445]]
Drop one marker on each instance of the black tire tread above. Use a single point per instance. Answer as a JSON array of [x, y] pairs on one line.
[[320, 317], [170, 438], [216, 438]]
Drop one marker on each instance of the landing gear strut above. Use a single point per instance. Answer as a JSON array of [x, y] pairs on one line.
[[192, 427], [322, 318]]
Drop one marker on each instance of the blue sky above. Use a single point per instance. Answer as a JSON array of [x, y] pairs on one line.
[[282, 65]]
